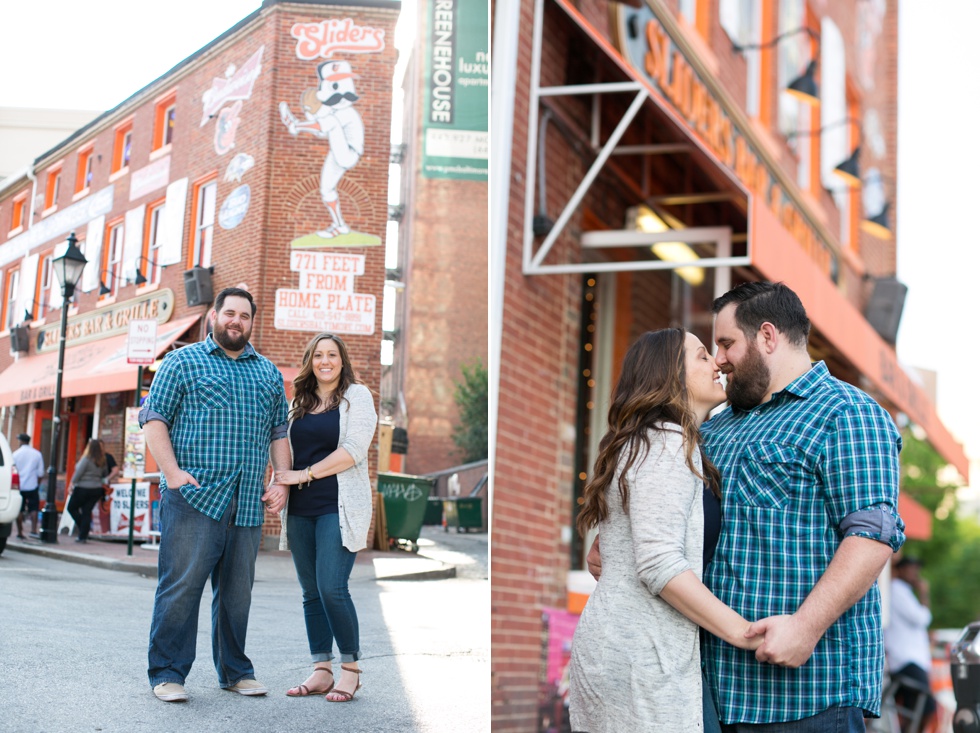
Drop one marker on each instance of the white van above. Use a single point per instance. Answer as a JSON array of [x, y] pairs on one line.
[[9, 492]]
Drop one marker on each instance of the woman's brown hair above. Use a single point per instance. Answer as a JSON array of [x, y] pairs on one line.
[[94, 452], [305, 396], [652, 390]]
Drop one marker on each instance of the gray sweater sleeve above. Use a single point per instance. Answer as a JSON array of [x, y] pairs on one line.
[[661, 493]]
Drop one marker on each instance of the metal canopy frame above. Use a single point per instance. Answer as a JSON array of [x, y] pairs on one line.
[[533, 260]]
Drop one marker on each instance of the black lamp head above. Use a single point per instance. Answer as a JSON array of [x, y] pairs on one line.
[[878, 225], [804, 87], [140, 280], [849, 170]]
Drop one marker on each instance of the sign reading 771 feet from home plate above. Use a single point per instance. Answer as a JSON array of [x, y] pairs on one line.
[[325, 300]]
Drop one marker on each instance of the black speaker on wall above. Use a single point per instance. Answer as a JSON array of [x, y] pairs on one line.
[[884, 309], [197, 286], [19, 339]]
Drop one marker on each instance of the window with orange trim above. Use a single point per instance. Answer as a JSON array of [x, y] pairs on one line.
[[122, 147], [204, 205], [11, 284], [152, 240], [42, 294], [19, 214], [52, 188], [111, 269], [165, 114], [83, 172]]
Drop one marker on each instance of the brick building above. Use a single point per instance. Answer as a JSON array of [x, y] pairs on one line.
[[443, 239], [260, 161], [662, 152]]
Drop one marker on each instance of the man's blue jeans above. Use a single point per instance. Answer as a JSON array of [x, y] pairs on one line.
[[323, 566], [833, 720], [192, 547]]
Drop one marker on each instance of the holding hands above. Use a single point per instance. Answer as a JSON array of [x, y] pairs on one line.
[[783, 640]]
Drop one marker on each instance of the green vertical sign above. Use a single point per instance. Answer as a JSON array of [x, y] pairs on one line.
[[455, 138]]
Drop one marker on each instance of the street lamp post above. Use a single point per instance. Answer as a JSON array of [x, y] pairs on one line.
[[68, 263]]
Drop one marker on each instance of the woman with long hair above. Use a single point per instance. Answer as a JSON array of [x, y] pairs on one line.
[[90, 473], [636, 654], [328, 512]]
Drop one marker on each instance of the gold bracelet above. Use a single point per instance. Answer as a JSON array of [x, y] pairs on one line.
[[309, 472]]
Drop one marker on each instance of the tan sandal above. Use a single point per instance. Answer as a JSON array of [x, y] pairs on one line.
[[348, 696], [304, 691]]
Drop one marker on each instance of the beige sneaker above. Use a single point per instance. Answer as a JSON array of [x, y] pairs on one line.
[[249, 687], [170, 692]]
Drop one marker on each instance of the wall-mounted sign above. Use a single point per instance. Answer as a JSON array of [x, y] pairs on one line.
[[237, 84], [322, 40], [652, 52], [59, 223], [238, 167], [325, 300], [457, 91], [235, 207], [149, 178], [110, 320]]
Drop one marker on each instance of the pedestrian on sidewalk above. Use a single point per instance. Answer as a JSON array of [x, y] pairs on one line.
[[331, 426], [907, 647], [90, 474], [215, 412], [30, 468]]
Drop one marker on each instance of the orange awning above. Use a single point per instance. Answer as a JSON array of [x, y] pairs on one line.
[[918, 520], [779, 257], [93, 368]]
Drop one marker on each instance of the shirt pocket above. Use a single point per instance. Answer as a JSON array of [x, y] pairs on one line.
[[211, 394], [772, 476]]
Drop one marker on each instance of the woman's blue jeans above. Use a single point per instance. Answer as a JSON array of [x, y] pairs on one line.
[[193, 547], [323, 566]]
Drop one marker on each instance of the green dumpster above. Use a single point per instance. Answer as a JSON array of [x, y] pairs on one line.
[[433, 511], [463, 512], [406, 499]]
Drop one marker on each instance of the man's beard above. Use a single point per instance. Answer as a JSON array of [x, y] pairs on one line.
[[227, 341], [751, 381]]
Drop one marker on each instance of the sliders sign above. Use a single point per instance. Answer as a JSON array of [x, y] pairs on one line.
[[646, 46]]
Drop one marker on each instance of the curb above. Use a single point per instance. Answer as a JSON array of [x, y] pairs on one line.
[[442, 572], [149, 571]]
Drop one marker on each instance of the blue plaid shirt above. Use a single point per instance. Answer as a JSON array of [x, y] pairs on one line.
[[222, 414], [792, 469]]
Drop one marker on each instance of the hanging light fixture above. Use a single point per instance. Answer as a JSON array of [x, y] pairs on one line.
[[803, 87], [849, 170], [877, 225]]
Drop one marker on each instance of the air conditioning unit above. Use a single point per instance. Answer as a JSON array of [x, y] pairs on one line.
[[884, 309], [20, 340], [197, 286]]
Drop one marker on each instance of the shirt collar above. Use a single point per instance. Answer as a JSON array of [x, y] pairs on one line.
[[213, 346]]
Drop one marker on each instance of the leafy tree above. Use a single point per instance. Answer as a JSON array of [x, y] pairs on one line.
[[472, 400], [951, 557]]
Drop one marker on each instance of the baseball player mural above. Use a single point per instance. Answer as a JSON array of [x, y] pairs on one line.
[[329, 113]]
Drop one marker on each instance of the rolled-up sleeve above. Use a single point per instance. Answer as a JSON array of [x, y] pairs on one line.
[[659, 511], [862, 475], [166, 394], [880, 523]]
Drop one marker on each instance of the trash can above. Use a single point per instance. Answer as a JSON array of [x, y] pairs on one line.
[[964, 658], [406, 498], [463, 512], [433, 511]]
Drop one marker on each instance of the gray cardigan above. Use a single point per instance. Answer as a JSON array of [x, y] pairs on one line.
[[87, 475], [358, 421]]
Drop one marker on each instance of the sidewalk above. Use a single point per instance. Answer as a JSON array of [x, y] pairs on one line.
[[436, 558]]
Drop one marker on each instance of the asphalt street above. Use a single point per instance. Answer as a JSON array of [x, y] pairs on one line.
[[73, 643]]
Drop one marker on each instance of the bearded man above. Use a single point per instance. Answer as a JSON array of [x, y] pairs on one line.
[[215, 413]]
